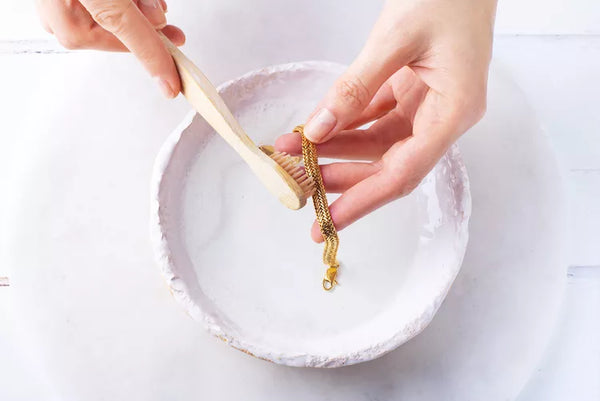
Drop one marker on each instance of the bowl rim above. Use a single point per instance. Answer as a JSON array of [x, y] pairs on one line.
[[179, 289]]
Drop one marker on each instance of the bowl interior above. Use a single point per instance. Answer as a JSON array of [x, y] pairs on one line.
[[245, 265]]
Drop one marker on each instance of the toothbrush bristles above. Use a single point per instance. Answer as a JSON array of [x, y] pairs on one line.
[[291, 165]]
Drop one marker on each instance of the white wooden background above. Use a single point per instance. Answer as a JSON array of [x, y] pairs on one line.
[[552, 47]]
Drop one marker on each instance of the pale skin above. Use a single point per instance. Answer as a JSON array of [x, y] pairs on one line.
[[117, 25], [421, 77]]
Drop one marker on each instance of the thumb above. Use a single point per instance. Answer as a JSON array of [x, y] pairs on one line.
[[124, 20], [390, 47], [344, 102], [350, 95]]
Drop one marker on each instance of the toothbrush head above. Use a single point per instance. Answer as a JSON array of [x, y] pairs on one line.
[[292, 165]]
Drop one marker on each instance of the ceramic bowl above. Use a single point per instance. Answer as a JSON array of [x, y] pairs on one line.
[[244, 265]]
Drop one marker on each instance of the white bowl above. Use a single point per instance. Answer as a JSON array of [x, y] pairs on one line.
[[245, 266]]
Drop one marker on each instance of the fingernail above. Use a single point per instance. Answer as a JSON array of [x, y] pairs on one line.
[[318, 127], [151, 3], [154, 12], [166, 88]]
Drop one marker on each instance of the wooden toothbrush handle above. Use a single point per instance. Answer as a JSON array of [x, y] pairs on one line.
[[205, 98]]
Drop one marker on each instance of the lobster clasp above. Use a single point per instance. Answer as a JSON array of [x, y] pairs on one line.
[[329, 281]]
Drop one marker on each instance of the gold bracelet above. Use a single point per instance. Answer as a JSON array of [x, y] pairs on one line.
[[328, 231]]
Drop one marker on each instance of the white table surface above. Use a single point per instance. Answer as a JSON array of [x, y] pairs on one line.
[[559, 74]]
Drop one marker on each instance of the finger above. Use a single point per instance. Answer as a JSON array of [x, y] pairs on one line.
[[174, 34], [381, 104], [404, 165], [128, 24], [353, 91], [100, 39], [68, 22], [368, 144], [344, 102], [338, 177], [153, 11], [397, 91], [364, 197], [359, 200], [164, 6]]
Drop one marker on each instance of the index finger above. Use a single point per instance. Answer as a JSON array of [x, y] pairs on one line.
[[404, 165], [124, 20]]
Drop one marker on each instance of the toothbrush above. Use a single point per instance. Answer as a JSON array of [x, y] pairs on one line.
[[279, 172]]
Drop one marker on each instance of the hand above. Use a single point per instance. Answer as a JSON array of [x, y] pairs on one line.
[[423, 76], [117, 25]]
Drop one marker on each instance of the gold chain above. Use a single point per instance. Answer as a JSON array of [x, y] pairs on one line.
[[311, 164]]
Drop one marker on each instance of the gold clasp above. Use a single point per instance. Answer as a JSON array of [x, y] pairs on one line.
[[329, 281]]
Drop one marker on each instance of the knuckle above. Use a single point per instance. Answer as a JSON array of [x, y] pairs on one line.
[[472, 107], [397, 185], [353, 92], [404, 184], [402, 177], [72, 41], [110, 15]]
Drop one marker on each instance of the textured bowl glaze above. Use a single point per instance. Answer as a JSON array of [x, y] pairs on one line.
[[242, 264]]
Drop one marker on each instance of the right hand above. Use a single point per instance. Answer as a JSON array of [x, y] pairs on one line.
[[422, 77], [117, 25]]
